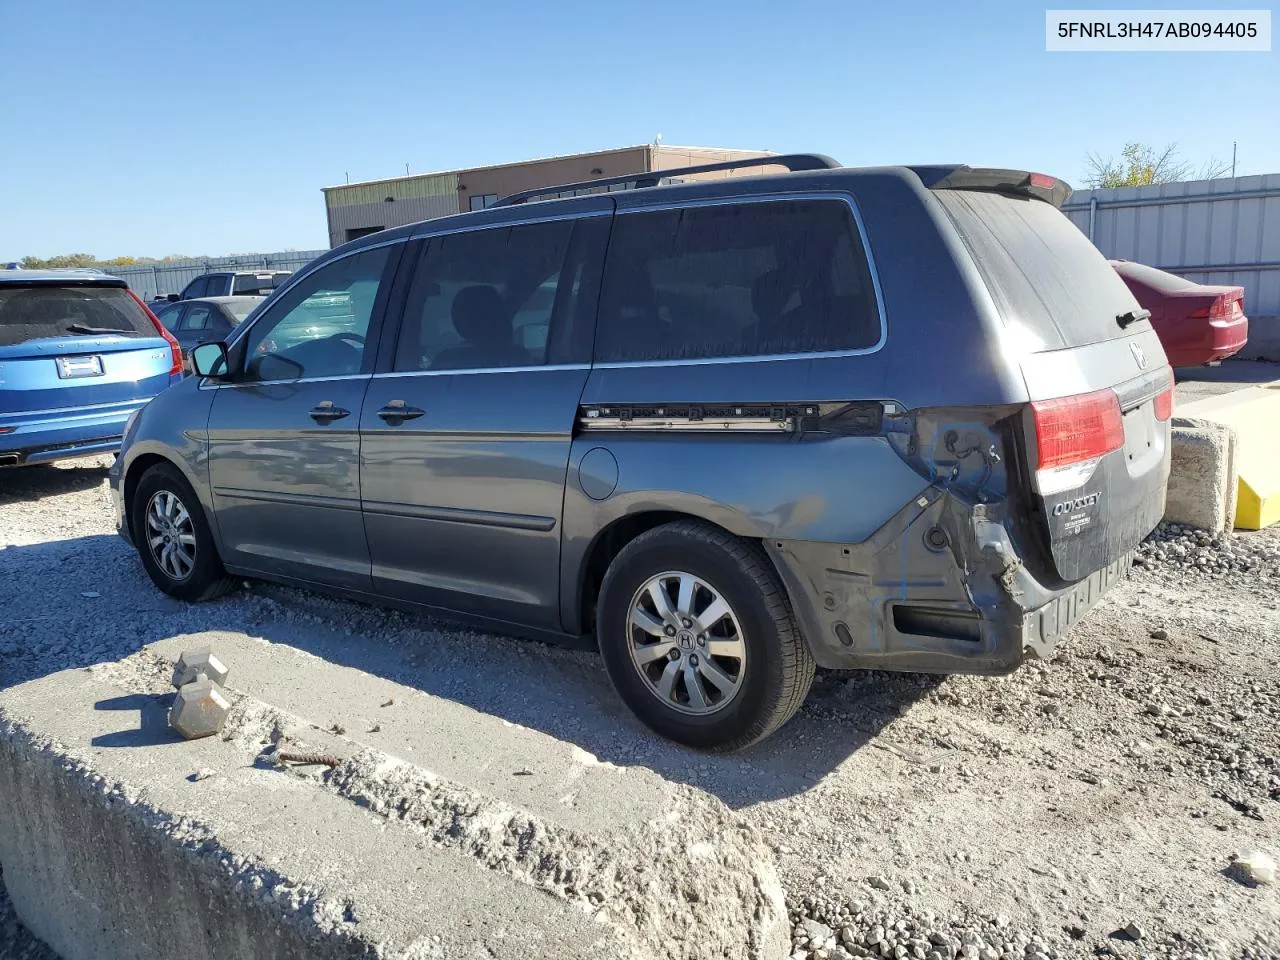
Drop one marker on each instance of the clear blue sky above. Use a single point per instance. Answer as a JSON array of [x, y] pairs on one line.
[[148, 129]]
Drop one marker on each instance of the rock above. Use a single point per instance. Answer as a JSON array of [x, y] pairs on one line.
[[815, 931], [1134, 932], [875, 936], [880, 883], [204, 773], [1255, 867], [1160, 634]]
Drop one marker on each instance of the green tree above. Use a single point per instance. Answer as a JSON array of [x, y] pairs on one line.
[[1141, 165]]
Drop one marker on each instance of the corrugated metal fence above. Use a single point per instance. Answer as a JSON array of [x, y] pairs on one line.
[[1223, 231], [157, 279]]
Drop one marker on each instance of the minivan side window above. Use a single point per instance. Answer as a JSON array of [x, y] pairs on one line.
[[195, 288], [318, 328], [482, 299], [736, 280]]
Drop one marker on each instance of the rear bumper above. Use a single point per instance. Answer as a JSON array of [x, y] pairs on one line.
[[901, 602], [39, 437], [1212, 341]]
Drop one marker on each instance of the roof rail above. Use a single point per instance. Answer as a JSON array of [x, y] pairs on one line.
[[794, 162]]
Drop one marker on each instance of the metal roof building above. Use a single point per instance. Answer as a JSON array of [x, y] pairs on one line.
[[356, 209]]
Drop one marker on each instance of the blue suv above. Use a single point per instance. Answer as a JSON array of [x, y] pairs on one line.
[[79, 354]]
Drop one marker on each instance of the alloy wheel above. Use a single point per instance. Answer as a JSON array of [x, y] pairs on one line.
[[686, 643], [171, 536]]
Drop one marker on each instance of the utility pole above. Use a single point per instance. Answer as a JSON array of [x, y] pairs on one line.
[[1233, 158], [406, 169]]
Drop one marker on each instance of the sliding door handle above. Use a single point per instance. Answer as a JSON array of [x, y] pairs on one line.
[[397, 411], [326, 412]]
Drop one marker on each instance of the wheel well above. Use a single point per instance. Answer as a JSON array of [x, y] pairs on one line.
[[607, 545], [131, 479]]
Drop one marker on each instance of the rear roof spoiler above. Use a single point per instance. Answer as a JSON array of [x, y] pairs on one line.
[[1018, 183]]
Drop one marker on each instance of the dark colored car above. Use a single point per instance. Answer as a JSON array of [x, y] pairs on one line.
[[210, 318], [79, 354], [903, 418], [1197, 323]]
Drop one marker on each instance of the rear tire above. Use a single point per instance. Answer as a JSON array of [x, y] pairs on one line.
[[173, 537], [698, 637]]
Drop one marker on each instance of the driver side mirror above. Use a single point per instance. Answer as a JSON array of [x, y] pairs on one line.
[[210, 360], [174, 297]]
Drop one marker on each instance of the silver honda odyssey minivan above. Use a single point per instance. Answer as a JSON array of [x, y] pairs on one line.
[[903, 418]]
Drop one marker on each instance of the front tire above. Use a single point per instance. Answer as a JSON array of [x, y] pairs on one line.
[[173, 537], [698, 637]]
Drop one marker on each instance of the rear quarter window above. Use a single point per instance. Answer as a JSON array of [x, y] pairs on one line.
[[39, 312], [1046, 278], [740, 279]]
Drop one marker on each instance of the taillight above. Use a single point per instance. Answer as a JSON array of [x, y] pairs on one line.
[[1164, 404], [175, 351], [1225, 307], [1072, 435], [1043, 181]]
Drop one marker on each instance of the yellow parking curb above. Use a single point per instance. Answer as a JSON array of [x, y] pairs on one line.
[[1254, 415]]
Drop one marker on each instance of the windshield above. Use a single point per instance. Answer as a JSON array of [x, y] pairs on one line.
[[36, 312]]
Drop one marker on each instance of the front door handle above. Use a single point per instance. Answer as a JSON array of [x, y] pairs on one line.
[[326, 412], [397, 411]]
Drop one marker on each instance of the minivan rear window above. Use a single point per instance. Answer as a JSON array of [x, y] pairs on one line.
[[738, 279], [40, 311], [1044, 275]]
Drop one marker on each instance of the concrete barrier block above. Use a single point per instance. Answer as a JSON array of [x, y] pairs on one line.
[[1202, 478], [493, 840], [1252, 415], [1264, 340]]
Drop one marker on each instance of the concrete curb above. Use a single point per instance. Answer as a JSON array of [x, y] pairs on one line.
[[1202, 476], [113, 847]]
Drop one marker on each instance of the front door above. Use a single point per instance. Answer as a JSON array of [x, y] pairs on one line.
[[284, 442], [465, 438]]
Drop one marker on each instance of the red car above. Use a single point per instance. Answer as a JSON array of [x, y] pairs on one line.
[[1196, 323]]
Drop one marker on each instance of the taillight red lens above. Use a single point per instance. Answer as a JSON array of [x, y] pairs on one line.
[[175, 351], [1071, 430], [1224, 307], [1043, 181]]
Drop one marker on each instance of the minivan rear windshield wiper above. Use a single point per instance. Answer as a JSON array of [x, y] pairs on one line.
[[85, 328], [1132, 316]]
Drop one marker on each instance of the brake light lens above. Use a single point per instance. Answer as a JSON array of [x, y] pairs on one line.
[[1164, 404], [1072, 435], [175, 351], [1043, 181], [1225, 307]]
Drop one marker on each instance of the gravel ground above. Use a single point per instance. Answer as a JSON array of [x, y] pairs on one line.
[[1094, 805]]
